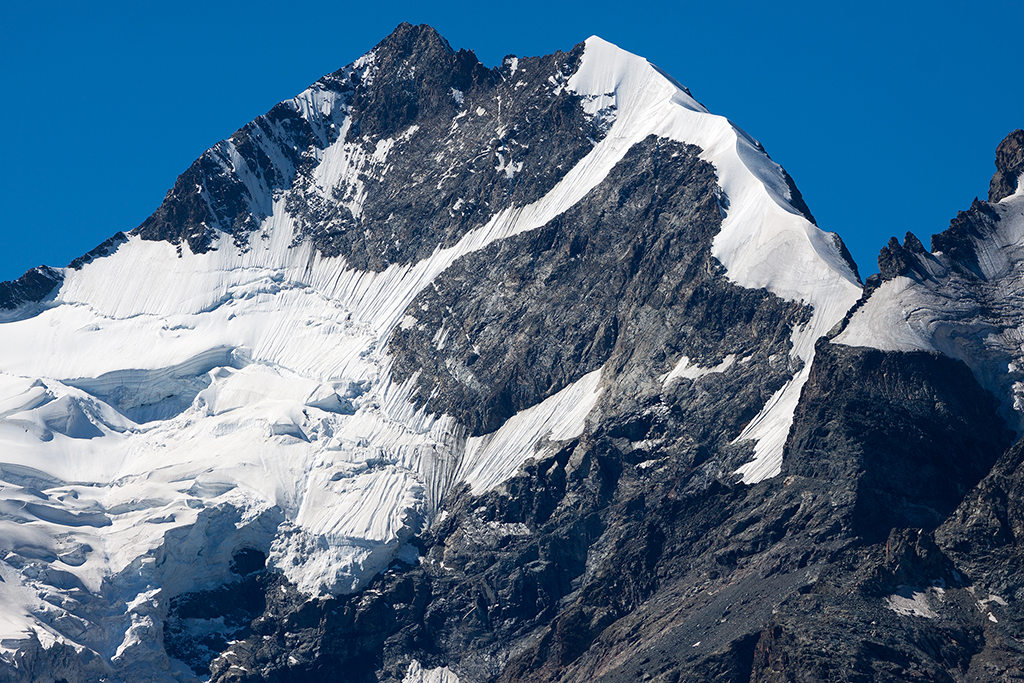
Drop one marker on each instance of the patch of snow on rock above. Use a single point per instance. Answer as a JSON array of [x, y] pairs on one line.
[[683, 369], [417, 674], [911, 602]]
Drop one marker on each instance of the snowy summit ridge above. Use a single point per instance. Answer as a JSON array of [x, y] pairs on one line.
[[259, 366]]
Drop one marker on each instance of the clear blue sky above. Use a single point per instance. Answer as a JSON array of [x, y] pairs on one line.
[[886, 114]]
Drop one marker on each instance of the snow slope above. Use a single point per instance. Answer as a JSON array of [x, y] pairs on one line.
[[168, 409]]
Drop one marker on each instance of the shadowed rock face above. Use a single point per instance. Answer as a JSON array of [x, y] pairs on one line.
[[617, 559], [958, 241], [895, 259], [33, 286], [1009, 164], [914, 430]]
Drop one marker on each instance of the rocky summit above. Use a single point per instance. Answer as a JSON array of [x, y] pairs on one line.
[[442, 373]]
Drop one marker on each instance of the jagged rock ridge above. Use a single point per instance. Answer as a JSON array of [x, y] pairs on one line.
[[465, 133]]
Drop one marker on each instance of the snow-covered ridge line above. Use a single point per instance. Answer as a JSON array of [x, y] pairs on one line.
[[764, 241]]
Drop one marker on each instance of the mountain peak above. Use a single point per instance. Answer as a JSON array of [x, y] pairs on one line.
[[33, 286], [408, 39], [428, 327]]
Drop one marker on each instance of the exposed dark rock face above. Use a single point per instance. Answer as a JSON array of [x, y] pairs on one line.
[[797, 200], [845, 253], [966, 577], [32, 287], [468, 141], [992, 516], [895, 260], [626, 275], [200, 625], [985, 539], [1009, 164], [107, 247], [957, 241], [914, 429]]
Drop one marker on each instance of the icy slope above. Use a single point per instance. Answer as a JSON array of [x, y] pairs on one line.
[[173, 405], [964, 300]]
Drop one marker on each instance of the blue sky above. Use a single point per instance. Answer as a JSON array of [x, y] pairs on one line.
[[886, 114]]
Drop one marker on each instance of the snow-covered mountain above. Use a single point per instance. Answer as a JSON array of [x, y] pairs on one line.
[[440, 372]]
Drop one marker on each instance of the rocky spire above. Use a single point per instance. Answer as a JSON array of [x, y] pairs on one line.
[[1009, 164]]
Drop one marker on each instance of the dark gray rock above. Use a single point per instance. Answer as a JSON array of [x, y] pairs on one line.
[[958, 241], [915, 430], [895, 259], [1009, 164], [200, 625], [605, 562], [108, 246], [473, 125], [32, 287], [624, 277]]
